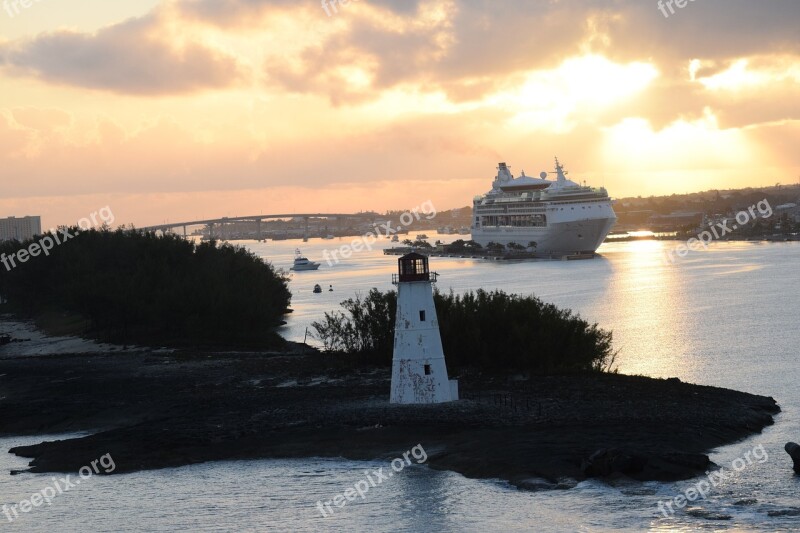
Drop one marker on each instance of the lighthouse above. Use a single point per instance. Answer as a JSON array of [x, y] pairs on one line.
[[419, 373]]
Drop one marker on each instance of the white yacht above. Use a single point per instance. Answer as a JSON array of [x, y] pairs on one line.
[[302, 263], [561, 217]]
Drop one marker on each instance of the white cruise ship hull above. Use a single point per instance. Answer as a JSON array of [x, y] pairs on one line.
[[561, 238]]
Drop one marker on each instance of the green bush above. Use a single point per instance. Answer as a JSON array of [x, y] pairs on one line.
[[490, 331], [135, 287]]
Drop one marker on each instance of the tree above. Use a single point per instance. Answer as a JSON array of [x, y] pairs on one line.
[[135, 287], [456, 246]]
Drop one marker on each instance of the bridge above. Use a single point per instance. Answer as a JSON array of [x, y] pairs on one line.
[[257, 219]]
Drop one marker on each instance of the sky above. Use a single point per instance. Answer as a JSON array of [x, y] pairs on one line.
[[176, 110]]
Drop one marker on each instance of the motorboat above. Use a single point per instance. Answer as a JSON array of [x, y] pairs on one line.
[[302, 263]]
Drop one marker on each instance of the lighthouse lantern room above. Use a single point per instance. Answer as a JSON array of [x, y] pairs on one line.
[[419, 373]]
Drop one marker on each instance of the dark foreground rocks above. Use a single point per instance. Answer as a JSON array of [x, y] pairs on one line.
[[155, 411], [793, 449]]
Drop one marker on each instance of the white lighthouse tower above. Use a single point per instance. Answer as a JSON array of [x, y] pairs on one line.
[[419, 373]]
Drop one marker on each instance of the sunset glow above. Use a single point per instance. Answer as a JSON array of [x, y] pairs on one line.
[[188, 108]]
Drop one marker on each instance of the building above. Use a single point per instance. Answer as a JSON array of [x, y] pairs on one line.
[[791, 210], [19, 229], [419, 372], [676, 220]]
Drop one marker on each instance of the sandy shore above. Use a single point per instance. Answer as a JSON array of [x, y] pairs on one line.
[[28, 340], [155, 410]]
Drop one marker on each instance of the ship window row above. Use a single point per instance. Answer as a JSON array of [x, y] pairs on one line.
[[586, 201], [524, 208], [516, 213], [515, 221], [583, 207]]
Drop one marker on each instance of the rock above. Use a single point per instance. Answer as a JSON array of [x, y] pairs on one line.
[[793, 450], [699, 512], [607, 461], [784, 512], [536, 484], [5, 339]]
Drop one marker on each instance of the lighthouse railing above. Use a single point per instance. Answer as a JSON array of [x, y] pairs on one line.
[[422, 276]]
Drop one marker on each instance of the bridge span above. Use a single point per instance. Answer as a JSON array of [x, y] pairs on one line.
[[257, 219]]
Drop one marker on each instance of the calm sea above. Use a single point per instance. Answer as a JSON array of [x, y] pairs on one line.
[[726, 317]]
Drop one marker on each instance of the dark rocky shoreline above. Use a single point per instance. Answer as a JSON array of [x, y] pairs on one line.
[[154, 411]]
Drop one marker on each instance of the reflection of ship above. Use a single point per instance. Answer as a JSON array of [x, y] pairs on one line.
[[561, 217], [302, 263]]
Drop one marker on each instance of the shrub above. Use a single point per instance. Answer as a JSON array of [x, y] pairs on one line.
[[490, 331]]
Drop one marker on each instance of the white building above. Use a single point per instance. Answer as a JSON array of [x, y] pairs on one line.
[[419, 372], [19, 229], [792, 210]]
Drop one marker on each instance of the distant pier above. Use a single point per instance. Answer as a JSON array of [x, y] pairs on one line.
[[490, 256]]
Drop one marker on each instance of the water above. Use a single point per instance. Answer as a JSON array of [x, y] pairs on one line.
[[726, 317]]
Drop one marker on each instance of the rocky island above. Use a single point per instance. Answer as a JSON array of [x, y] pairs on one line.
[[157, 410]]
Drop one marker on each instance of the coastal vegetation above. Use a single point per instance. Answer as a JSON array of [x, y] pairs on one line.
[[461, 245], [127, 286], [493, 332]]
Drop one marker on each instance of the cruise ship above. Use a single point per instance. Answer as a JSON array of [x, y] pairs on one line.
[[561, 217]]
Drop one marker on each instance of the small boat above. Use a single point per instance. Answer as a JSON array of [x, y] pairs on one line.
[[329, 237], [317, 289], [395, 238], [422, 237], [302, 263]]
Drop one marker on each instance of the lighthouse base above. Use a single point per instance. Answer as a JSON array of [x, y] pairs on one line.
[[421, 381]]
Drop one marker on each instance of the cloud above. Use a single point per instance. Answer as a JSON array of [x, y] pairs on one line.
[[233, 13], [35, 118], [466, 49], [137, 57], [390, 88]]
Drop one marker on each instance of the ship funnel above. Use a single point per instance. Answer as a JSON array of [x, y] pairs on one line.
[[503, 173]]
